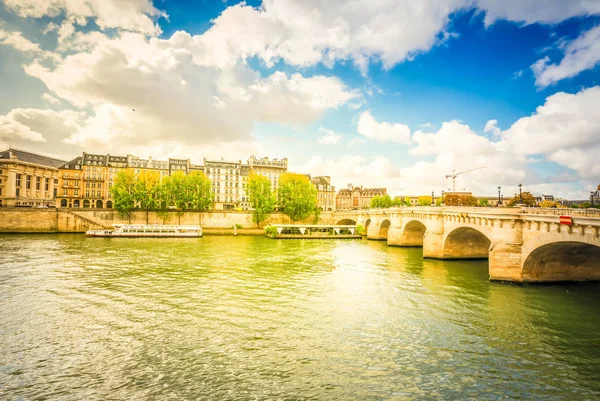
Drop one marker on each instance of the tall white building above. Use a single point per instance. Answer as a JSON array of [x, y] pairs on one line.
[[272, 169]]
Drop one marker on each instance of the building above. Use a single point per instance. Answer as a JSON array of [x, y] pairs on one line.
[[228, 183], [272, 169], [325, 193], [357, 197], [86, 180], [28, 179]]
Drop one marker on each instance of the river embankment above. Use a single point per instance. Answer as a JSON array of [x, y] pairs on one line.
[[62, 220]]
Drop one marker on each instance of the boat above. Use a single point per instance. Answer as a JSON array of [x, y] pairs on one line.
[[314, 231], [148, 231]]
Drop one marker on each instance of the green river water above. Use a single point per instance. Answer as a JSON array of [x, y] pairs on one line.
[[248, 318]]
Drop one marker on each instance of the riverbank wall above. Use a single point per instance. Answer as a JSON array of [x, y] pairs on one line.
[[17, 220]]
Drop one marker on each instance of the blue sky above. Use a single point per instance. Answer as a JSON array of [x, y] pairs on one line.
[[374, 93]]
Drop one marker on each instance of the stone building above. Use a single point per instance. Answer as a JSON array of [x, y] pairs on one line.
[[325, 193], [28, 179], [272, 169], [228, 183], [357, 197]]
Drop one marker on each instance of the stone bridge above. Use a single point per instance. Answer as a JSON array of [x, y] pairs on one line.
[[522, 244]]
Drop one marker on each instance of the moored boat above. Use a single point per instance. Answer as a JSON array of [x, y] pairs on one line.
[[314, 231], [148, 230]]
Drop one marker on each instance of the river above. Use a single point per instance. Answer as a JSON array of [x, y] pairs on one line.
[[249, 318]]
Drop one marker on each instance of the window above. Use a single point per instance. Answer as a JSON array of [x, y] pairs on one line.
[[65, 192], [76, 193], [0, 191], [77, 183], [38, 183], [28, 182], [47, 184], [87, 193]]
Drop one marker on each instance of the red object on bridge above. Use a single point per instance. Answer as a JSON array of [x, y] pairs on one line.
[[566, 220]]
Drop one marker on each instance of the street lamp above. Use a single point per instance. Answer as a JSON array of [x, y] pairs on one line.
[[592, 197], [499, 200], [520, 195], [432, 199], [442, 196]]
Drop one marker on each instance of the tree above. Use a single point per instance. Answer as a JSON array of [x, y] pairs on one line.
[[527, 199], [180, 193], [262, 198], [146, 184], [317, 215], [123, 193], [424, 200], [164, 199], [297, 196], [484, 203], [383, 202], [200, 195], [460, 200]]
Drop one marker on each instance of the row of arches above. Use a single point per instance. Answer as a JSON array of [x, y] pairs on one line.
[[550, 260], [86, 204]]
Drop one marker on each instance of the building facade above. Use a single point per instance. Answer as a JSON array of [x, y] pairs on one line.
[[357, 197], [325, 193], [272, 169], [229, 181], [28, 179]]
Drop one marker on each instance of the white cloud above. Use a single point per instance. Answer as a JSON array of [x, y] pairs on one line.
[[330, 137], [492, 126], [131, 15], [375, 171], [382, 132], [16, 40], [173, 97], [580, 54], [50, 99], [565, 128], [529, 12], [426, 125]]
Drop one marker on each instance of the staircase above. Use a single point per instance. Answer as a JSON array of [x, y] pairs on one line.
[[91, 222]]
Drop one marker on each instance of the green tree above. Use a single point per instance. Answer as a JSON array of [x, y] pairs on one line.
[[424, 200], [261, 197], [164, 199], [180, 193], [123, 193], [146, 184], [199, 191], [526, 197], [484, 203], [297, 196], [317, 215]]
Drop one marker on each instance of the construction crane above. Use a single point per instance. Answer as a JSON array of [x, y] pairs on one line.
[[454, 175]]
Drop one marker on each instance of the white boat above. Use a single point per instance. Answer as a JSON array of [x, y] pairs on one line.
[[148, 230]]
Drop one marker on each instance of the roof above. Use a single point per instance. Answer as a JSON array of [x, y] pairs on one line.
[[28, 157], [71, 165]]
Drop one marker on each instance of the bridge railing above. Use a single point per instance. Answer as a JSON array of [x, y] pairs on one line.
[[561, 212]]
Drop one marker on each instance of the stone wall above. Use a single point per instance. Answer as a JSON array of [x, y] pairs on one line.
[[27, 220]]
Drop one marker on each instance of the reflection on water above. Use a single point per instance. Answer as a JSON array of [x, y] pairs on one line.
[[223, 318]]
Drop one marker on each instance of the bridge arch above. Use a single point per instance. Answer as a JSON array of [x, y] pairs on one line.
[[413, 233], [557, 257], [367, 224], [466, 243], [384, 228], [346, 222]]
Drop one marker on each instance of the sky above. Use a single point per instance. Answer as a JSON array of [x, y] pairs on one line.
[[374, 93]]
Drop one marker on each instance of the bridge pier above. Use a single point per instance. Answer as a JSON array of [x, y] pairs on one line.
[[505, 262]]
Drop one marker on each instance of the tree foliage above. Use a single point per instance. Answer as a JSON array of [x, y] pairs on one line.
[[383, 201], [123, 193], [148, 191], [460, 200], [145, 195], [424, 200], [527, 199], [484, 202], [297, 196], [261, 197]]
